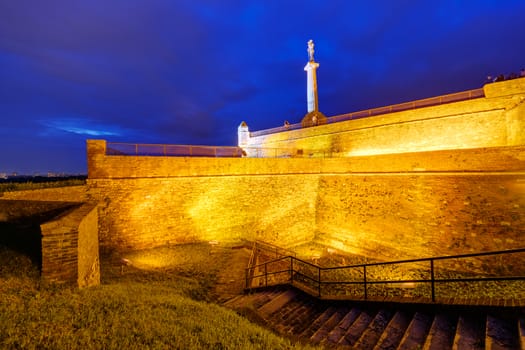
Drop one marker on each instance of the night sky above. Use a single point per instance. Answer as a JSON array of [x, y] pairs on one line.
[[189, 72]]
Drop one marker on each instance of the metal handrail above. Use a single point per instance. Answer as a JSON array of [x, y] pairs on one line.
[[444, 257], [317, 280], [427, 102], [279, 251], [165, 150], [136, 149]]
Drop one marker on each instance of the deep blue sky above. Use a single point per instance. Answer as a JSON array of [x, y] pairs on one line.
[[189, 71]]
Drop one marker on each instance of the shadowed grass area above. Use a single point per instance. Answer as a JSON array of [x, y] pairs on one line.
[[135, 308], [35, 185]]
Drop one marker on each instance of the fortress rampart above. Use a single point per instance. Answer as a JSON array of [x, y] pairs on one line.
[[439, 180], [492, 121]]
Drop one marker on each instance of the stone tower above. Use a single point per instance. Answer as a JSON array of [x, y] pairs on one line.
[[243, 135]]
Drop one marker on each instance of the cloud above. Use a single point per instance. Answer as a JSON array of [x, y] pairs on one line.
[[78, 127], [163, 71]]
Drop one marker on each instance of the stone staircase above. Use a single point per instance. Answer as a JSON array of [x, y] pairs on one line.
[[369, 325]]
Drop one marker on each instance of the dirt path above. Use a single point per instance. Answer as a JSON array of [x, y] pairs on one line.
[[230, 278]]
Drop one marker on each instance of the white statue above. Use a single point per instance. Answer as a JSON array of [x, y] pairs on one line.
[[311, 50]]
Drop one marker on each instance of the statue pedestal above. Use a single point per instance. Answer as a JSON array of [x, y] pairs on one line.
[[313, 118]]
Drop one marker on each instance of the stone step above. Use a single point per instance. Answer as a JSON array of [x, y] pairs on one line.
[[279, 317], [357, 328], [265, 297], [394, 331], [323, 331], [253, 300], [318, 322], [340, 329], [470, 333], [277, 302], [373, 332], [301, 307], [521, 332], [334, 324], [233, 302], [304, 320], [442, 331], [416, 332], [287, 311], [501, 334]]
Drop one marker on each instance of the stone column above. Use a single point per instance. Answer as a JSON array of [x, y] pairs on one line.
[[311, 80], [313, 117]]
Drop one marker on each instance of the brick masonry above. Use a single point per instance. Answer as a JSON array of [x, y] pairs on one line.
[[70, 247], [141, 213], [68, 230]]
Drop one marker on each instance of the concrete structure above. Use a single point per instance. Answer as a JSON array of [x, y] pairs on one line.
[[439, 180]]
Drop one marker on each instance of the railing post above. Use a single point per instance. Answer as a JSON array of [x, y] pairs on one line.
[[266, 274], [136, 149], [291, 271], [364, 279], [164, 146], [319, 279], [432, 280]]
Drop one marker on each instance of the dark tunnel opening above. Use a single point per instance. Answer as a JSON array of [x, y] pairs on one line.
[[24, 238]]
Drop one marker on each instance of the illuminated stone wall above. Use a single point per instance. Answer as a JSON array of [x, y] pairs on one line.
[[424, 204], [493, 121], [148, 212], [384, 206], [433, 181], [399, 216], [153, 201]]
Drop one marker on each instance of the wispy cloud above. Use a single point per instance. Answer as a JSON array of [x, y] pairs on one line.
[[80, 127]]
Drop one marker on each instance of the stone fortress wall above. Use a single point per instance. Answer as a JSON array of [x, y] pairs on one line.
[[438, 180]]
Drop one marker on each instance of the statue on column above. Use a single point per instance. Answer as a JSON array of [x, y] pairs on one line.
[[313, 116]]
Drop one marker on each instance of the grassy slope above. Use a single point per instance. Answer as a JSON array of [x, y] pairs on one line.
[[145, 307]]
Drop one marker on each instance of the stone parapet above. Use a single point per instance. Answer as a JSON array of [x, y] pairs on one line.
[[479, 159]]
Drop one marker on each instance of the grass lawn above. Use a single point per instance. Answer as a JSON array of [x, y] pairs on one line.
[[162, 301]]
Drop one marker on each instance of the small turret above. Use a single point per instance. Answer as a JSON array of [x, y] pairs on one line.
[[243, 135]]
